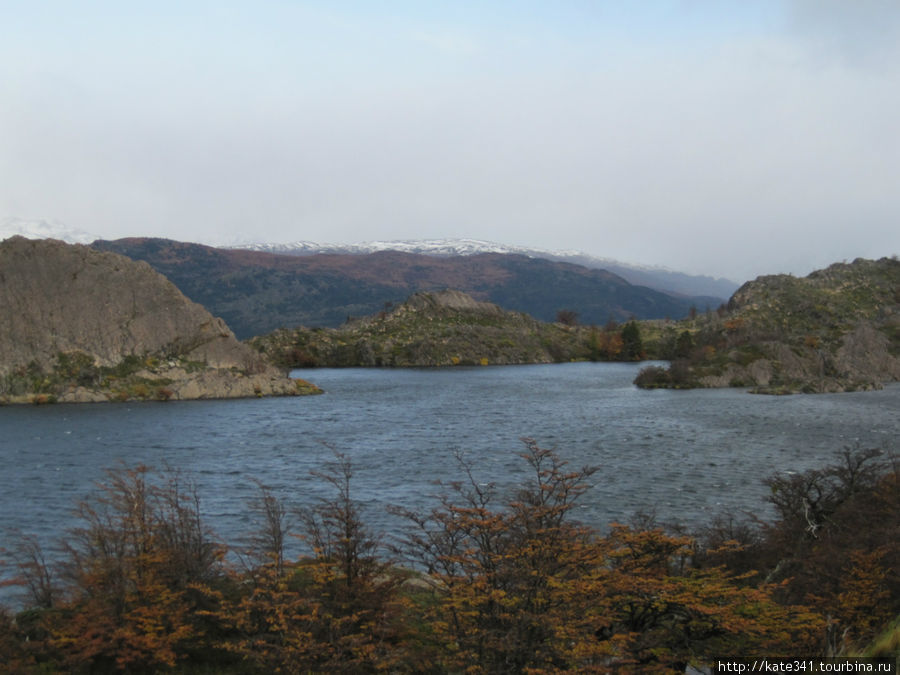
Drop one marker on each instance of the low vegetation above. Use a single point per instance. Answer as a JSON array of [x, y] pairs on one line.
[[449, 328], [134, 377], [482, 583], [161, 376]]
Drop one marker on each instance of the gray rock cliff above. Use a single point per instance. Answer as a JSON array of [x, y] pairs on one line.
[[79, 324]]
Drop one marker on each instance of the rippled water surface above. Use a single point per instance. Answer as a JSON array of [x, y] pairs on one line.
[[684, 454]]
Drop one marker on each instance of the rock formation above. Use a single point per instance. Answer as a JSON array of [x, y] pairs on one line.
[[77, 324], [837, 329]]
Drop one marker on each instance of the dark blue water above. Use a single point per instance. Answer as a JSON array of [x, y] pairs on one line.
[[686, 455]]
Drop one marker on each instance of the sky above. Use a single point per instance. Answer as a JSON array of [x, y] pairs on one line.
[[719, 137]]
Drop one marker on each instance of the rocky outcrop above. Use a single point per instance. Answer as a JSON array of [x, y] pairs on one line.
[[449, 302], [77, 324], [837, 329], [862, 361]]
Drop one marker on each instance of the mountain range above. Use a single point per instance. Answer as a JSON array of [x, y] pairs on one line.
[[257, 292], [659, 278], [43, 229], [78, 313], [258, 288]]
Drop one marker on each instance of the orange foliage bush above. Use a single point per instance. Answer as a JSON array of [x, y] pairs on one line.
[[503, 583]]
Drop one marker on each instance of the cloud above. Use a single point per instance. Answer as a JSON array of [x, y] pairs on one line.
[[447, 42], [862, 33], [733, 152]]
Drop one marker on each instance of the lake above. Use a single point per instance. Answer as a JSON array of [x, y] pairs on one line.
[[687, 455]]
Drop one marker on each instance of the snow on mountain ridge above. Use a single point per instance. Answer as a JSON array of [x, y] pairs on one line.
[[438, 247], [446, 247], [654, 276], [51, 229]]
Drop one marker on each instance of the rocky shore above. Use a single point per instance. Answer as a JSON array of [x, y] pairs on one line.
[[836, 330]]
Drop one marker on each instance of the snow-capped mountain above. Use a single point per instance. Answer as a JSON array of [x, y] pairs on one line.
[[659, 278], [437, 247], [43, 229]]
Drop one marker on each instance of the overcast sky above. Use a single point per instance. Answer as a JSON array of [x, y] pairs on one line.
[[726, 138]]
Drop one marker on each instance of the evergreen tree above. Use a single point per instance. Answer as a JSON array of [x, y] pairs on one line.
[[632, 347]]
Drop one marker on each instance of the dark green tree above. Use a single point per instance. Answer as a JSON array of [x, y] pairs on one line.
[[567, 317], [632, 346]]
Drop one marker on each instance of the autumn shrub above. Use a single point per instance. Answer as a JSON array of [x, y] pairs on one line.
[[605, 345], [485, 582], [505, 577], [140, 390], [127, 599], [163, 394], [517, 586], [16, 653], [678, 375], [659, 612], [338, 610], [77, 367], [297, 357], [834, 544]]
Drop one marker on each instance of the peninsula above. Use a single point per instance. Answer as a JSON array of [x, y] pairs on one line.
[[837, 329]]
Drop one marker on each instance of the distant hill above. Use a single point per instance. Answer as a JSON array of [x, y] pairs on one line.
[[258, 292], [445, 328], [837, 329], [83, 325], [658, 278]]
